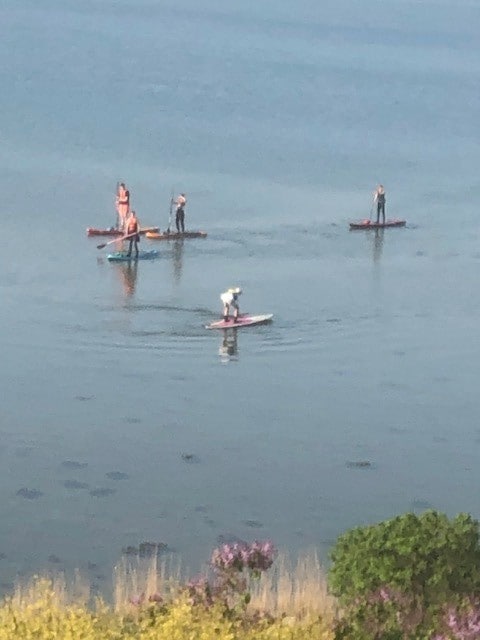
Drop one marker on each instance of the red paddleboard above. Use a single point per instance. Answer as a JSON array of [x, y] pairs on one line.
[[174, 235], [368, 224], [244, 320], [111, 231]]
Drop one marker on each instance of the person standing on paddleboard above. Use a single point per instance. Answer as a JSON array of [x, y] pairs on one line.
[[180, 202], [133, 227], [230, 299], [379, 198], [123, 205]]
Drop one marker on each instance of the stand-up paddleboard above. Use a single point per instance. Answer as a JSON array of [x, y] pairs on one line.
[[174, 235], [244, 320], [112, 231], [121, 256], [368, 224]]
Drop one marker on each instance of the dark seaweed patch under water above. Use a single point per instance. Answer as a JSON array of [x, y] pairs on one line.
[[146, 549], [421, 504], [359, 464], [29, 494], [54, 559], [190, 458], [75, 484], [102, 492], [74, 464], [228, 538], [117, 475]]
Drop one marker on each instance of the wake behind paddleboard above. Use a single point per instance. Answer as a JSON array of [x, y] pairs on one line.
[[244, 320], [368, 224], [121, 256]]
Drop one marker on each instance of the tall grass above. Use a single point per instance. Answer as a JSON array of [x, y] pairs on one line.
[[294, 588], [137, 578], [292, 594]]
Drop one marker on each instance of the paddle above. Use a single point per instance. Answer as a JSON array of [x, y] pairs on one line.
[[170, 214], [371, 208], [104, 244], [117, 224]]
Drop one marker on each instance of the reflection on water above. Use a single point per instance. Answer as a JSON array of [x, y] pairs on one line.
[[177, 256], [128, 273], [378, 244], [228, 349]]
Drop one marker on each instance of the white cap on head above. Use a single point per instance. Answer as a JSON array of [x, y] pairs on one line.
[[235, 290]]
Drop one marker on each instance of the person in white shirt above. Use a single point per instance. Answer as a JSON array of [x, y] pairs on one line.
[[230, 299]]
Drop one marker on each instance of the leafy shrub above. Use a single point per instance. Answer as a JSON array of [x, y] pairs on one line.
[[394, 578]]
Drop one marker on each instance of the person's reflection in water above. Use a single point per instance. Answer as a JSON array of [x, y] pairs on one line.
[[129, 273], [229, 347], [177, 256], [378, 244]]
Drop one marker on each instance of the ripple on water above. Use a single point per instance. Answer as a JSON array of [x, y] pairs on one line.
[[23, 452]]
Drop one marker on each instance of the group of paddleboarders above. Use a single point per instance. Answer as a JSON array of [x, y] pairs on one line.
[[130, 225], [122, 205]]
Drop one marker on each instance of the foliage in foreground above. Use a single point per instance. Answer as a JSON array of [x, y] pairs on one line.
[[43, 619], [409, 577], [217, 605]]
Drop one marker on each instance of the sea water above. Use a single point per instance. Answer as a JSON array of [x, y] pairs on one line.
[[122, 419]]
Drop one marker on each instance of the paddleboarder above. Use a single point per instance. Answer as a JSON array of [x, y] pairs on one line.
[[133, 227], [379, 198], [123, 205], [230, 299], [180, 203]]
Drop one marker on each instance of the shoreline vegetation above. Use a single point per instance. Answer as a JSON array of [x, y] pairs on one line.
[[413, 577]]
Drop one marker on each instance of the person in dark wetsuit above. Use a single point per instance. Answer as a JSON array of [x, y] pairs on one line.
[[180, 202], [133, 227], [379, 198]]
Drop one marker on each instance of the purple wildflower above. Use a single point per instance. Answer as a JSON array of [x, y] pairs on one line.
[[464, 623], [257, 556], [199, 591]]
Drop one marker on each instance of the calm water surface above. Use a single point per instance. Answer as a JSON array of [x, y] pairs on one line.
[[277, 120]]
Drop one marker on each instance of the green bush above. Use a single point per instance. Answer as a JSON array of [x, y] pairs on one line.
[[394, 578]]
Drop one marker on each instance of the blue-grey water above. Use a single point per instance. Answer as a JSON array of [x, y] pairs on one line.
[[277, 119]]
